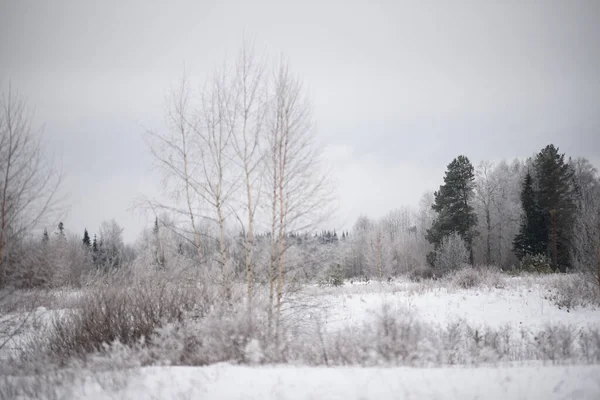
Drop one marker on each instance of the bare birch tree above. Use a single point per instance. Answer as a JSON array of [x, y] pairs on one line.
[[377, 250], [175, 152], [195, 156], [585, 252], [300, 192], [217, 173], [250, 87], [486, 188], [241, 138], [508, 209], [29, 184]]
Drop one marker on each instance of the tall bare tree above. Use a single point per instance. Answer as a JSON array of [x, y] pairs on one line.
[[486, 188], [251, 87], [300, 188], [196, 157], [585, 252], [29, 184], [508, 209], [175, 152], [377, 250], [218, 176]]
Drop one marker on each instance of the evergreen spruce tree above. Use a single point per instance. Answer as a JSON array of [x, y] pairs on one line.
[[555, 197], [45, 236], [453, 203], [155, 230], [532, 238], [95, 250], [61, 229], [86, 239]]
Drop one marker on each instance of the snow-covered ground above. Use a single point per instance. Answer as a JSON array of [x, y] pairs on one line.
[[300, 383], [516, 302]]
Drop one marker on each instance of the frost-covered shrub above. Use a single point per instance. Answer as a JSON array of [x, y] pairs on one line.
[[129, 313], [335, 277], [556, 343], [451, 255], [55, 262], [110, 370], [589, 345], [227, 332], [536, 264], [253, 352], [421, 273], [470, 277], [466, 278], [394, 337], [45, 385], [574, 290], [490, 345]]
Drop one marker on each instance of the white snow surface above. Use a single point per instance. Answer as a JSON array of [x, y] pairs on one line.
[[302, 383], [519, 303]]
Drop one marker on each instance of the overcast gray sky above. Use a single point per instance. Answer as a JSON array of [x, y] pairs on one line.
[[399, 88]]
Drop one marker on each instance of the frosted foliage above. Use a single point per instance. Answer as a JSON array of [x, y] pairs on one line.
[[253, 353], [498, 206], [451, 255], [111, 246], [586, 236]]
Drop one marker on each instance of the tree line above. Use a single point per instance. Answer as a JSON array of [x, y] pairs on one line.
[[557, 212], [246, 198]]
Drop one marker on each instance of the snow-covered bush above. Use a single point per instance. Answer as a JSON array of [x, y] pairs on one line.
[[451, 255], [556, 343], [57, 261], [129, 312], [334, 277], [589, 345], [574, 290], [536, 264], [396, 339], [109, 370], [228, 333], [253, 353], [466, 278], [471, 277], [585, 250], [421, 273]]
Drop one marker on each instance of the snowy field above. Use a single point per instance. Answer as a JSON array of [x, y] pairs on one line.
[[302, 383], [517, 304]]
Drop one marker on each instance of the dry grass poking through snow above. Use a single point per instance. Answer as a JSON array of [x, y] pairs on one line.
[[470, 317]]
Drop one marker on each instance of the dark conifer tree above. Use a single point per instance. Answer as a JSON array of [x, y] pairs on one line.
[[453, 203], [86, 239], [61, 229], [532, 238], [556, 199], [95, 251]]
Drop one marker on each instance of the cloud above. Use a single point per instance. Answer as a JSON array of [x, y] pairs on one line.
[[398, 88]]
